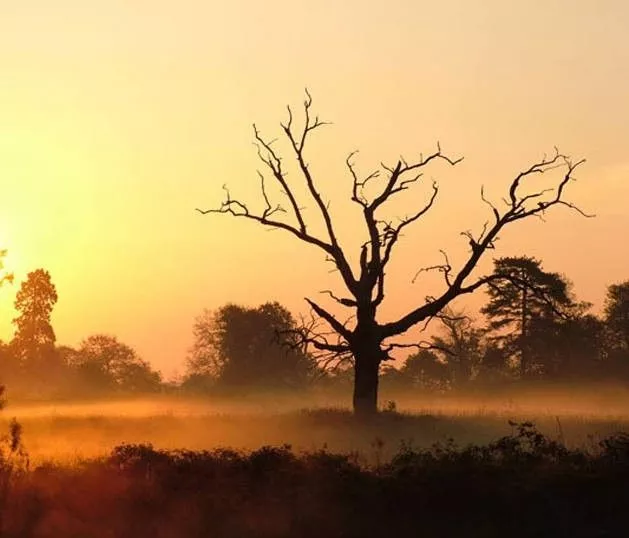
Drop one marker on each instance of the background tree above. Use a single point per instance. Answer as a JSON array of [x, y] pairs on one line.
[[33, 344], [522, 308], [202, 360], [364, 338], [494, 367], [617, 314], [7, 362], [9, 367], [616, 317], [6, 357], [426, 370], [572, 348], [242, 347], [34, 302], [103, 365], [462, 347]]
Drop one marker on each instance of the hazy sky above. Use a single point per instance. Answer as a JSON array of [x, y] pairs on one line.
[[118, 118]]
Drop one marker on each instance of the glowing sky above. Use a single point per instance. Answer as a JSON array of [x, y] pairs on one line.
[[118, 118]]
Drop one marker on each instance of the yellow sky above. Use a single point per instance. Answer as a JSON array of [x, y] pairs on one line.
[[118, 118]]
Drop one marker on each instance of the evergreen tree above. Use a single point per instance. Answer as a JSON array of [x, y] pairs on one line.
[[33, 344], [522, 305]]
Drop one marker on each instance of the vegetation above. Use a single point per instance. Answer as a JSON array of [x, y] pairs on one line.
[[520, 311], [537, 331], [241, 348], [363, 338], [521, 485], [395, 474]]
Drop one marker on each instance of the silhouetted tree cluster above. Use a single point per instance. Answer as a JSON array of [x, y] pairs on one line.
[[237, 347], [536, 329], [102, 364], [32, 365]]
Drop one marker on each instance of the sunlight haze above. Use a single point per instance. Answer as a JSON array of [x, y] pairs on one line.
[[118, 119]]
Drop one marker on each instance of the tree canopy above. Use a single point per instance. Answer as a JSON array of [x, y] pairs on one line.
[[104, 364], [524, 305], [248, 347]]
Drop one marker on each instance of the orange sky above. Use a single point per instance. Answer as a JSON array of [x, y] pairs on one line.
[[119, 118]]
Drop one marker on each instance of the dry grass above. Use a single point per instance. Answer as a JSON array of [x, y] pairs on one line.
[[379, 478], [72, 431]]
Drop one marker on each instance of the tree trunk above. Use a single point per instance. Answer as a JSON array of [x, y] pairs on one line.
[[523, 334], [366, 369]]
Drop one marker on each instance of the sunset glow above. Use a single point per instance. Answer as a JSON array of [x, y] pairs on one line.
[[118, 119]]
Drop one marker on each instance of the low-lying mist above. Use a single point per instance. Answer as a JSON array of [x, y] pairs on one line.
[[75, 430]]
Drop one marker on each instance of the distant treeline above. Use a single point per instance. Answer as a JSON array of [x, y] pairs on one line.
[[535, 329]]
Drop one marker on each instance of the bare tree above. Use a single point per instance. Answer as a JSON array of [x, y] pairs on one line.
[[362, 337]]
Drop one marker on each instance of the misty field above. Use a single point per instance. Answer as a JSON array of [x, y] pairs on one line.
[[71, 431], [440, 466]]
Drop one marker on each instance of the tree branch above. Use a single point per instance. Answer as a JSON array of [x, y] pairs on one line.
[[517, 209], [377, 253], [331, 320], [273, 162], [237, 208]]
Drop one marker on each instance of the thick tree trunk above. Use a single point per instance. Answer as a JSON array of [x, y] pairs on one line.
[[366, 370]]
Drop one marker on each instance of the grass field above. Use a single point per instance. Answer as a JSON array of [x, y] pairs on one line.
[[68, 431], [109, 469]]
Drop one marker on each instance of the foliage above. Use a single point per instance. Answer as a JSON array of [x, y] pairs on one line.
[[425, 370], [34, 337], [104, 364], [248, 347], [461, 345], [202, 360], [520, 485], [617, 316], [523, 305], [32, 361]]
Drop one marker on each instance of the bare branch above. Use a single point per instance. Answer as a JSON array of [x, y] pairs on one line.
[[396, 183], [329, 347], [340, 300], [422, 345], [444, 268], [332, 321], [394, 232], [298, 148], [274, 163], [359, 185], [298, 145], [383, 236], [237, 208], [517, 210]]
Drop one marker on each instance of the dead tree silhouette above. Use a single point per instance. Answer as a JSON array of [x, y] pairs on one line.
[[362, 337]]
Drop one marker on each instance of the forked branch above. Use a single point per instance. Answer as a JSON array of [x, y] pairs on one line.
[[518, 207], [267, 217]]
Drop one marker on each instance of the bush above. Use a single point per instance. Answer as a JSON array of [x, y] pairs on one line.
[[520, 485]]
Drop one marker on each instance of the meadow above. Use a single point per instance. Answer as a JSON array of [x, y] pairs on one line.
[[69, 431], [439, 466], [302, 465]]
